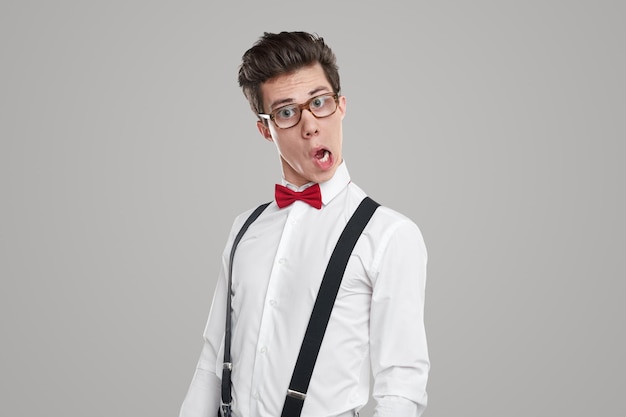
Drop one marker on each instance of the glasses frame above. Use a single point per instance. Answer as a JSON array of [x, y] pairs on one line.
[[305, 106]]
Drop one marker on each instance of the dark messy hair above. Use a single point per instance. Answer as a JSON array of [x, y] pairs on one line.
[[282, 53]]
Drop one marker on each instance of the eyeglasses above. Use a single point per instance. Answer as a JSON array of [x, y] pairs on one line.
[[288, 116]]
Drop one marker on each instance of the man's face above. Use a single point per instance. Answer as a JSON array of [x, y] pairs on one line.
[[310, 150]]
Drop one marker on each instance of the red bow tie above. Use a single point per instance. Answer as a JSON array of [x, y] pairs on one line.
[[285, 196]]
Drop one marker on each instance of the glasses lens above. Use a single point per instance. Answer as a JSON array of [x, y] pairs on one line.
[[287, 116], [320, 106], [323, 106]]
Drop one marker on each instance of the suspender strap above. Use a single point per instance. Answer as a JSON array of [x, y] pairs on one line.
[[296, 394], [226, 372]]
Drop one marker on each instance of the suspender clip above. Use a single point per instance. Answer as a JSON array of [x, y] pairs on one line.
[[226, 410], [295, 394]]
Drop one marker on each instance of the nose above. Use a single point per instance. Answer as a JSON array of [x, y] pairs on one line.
[[309, 123]]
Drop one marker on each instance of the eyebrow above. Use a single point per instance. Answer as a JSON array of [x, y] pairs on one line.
[[285, 101]]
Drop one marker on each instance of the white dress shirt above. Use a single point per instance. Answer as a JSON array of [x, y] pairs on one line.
[[377, 323]]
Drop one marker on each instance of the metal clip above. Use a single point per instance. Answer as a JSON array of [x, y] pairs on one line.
[[228, 365], [295, 394], [226, 410]]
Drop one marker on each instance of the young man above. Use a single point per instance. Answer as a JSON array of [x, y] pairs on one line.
[[376, 326]]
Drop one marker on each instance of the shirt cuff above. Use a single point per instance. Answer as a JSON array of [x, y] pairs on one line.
[[394, 406]]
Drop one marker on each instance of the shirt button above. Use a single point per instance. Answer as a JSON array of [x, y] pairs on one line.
[[264, 349], [256, 395], [273, 303], [282, 261]]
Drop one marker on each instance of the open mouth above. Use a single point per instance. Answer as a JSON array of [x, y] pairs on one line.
[[323, 158], [323, 155]]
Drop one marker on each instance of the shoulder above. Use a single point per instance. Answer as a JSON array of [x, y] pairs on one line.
[[391, 232], [387, 221], [241, 218]]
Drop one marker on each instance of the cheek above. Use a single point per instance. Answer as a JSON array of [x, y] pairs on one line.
[[283, 141], [282, 145]]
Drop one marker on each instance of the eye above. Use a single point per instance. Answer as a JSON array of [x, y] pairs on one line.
[[318, 102], [286, 112]]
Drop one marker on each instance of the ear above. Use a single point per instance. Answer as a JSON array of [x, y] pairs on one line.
[[264, 130], [342, 106]]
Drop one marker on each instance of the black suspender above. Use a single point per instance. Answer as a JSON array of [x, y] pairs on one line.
[[296, 394], [323, 306], [228, 365]]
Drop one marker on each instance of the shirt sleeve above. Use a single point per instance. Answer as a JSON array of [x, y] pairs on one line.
[[398, 347], [204, 394]]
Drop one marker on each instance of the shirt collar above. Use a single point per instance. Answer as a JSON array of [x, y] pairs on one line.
[[331, 188]]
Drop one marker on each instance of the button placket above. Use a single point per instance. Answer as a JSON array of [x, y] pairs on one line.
[[270, 311]]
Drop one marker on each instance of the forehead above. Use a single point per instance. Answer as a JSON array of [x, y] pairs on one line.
[[295, 87]]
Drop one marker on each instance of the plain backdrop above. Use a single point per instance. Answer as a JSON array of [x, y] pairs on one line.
[[127, 148]]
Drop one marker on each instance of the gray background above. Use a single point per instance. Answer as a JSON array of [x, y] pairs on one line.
[[127, 149]]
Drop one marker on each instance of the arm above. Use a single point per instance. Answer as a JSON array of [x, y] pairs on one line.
[[399, 353], [203, 396]]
